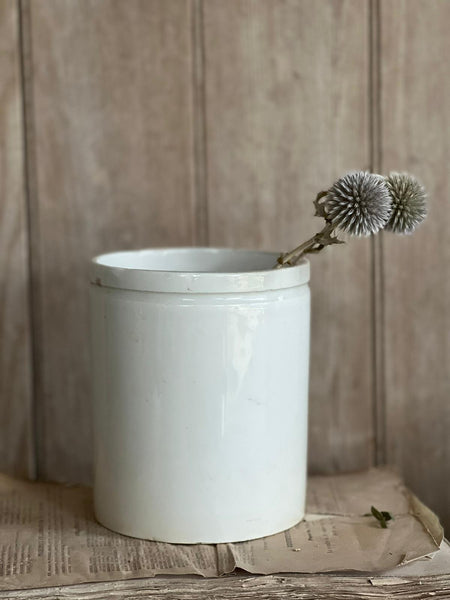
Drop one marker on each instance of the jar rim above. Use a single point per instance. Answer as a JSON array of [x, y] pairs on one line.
[[195, 270]]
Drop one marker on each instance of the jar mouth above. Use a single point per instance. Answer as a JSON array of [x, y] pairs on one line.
[[195, 270]]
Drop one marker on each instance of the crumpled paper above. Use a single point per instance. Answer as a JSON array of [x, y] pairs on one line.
[[49, 536]]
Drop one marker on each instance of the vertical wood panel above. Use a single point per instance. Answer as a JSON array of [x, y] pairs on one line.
[[112, 102], [16, 443], [287, 111], [416, 137]]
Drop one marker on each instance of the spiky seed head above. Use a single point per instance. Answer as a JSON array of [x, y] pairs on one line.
[[359, 203], [409, 203]]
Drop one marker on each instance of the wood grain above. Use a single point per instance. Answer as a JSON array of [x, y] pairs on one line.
[[16, 438], [287, 112], [112, 102], [259, 587], [416, 137]]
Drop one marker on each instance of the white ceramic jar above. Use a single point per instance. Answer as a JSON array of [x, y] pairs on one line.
[[200, 369]]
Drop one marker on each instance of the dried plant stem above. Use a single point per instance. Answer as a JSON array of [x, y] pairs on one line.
[[314, 244]]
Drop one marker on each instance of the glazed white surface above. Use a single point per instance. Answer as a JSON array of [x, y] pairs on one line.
[[200, 407]]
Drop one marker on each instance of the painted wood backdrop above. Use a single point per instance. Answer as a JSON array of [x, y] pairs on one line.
[[213, 122]]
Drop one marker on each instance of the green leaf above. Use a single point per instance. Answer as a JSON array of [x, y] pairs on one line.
[[381, 516]]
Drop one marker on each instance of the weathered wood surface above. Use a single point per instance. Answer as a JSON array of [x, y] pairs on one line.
[[259, 587], [16, 439], [287, 111], [112, 110], [415, 88]]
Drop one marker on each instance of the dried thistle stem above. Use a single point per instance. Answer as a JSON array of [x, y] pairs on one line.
[[316, 243], [308, 246]]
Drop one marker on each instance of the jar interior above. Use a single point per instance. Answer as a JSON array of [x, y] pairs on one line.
[[191, 260]]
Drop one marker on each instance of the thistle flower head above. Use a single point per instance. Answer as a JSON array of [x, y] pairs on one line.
[[408, 203], [359, 203]]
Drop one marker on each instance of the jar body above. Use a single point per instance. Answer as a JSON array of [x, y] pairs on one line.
[[200, 411]]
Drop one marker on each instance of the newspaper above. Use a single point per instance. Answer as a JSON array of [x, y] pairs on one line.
[[49, 536]]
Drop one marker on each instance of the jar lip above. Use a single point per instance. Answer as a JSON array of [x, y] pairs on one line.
[[195, 270]]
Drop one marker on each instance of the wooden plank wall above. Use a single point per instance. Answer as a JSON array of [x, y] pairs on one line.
[[16, 414], [112, 159], [415, 136], [279, 105], [191, 122]]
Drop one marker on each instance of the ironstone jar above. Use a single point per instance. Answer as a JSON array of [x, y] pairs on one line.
[[200, 381]]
